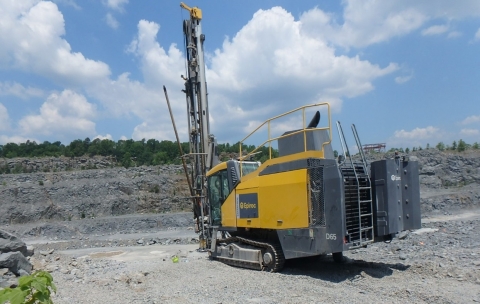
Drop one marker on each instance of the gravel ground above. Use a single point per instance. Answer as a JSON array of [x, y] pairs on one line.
[[437, 264]]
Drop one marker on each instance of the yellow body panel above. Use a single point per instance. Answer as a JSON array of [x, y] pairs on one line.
[[283, 200], [229, 215], [282, 197]]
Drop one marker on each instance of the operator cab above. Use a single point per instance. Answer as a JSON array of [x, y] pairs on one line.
[[221, 181]]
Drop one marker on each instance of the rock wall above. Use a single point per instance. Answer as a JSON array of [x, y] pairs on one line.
[[55, 164], [67, 195], [69, 188]]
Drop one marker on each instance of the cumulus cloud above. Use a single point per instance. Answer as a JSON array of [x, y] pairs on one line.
[[274, 64], [417, 133], [66, 113], [471, 120], [415, 137], [369, 22], [4, 139], [116, 4], [31, 41], [454, 34], [4, 118], [71, 3], [477, 35], [102, 137], [111, 21], [403, 79], [469, 132], [18, 90], [435, 30]]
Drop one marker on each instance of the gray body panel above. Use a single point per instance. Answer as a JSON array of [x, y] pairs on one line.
[[295, 143], [327, 222], [396, 194]]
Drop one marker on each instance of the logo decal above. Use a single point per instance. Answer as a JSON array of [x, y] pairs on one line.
[[395, 178], [247, 205]]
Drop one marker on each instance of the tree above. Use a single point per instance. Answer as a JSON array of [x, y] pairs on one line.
[[428, 146], [407, 150], [462, 146], [127, 160], [440, 146], [454, 145], [476, 146]]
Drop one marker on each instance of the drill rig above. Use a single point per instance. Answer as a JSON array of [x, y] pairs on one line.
[[304, 202]]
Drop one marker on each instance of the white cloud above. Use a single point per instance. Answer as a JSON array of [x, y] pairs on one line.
[[4, 139], [116, 4], [370, 21], [417, 133], [16, 89], [102, 137], [469, 132], [71, 3], [435, 30], [65, 113], [416, 137], [403, 79], [454, 34], [273, 65], [471, 120], [4, 118], [477, 35], [30, 40], [111, 21]]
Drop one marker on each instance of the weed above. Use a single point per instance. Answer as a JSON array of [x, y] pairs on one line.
[[35, 288]]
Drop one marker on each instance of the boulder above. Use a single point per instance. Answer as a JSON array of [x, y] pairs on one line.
[[15, 261], [10, 242]]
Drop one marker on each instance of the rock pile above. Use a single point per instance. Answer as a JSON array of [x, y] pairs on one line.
[[14, 262]]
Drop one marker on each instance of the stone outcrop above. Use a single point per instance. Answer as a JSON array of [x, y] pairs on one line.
[[68, 195], [13, 253], [65, 189]]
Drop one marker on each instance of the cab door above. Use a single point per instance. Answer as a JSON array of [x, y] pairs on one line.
[[218, 191]]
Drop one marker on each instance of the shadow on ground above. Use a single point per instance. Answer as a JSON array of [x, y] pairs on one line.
[[324, 268]]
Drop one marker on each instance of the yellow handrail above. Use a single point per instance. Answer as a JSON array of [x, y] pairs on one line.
[[304, 130]]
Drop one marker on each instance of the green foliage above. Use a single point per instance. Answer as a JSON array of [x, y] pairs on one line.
[[407, 150], [462, 146], [128, 153], [454, 145], [440, 146], [32, 289]]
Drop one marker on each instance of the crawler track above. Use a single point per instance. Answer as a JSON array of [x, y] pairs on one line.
[[278, 258]]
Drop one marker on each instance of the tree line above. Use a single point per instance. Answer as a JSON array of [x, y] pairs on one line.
[[129, 153], [126, 152], [459, 146]]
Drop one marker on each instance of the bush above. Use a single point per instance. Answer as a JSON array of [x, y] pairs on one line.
[[32, 289]]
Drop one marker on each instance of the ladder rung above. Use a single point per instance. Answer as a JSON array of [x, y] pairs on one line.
[[365, 229]]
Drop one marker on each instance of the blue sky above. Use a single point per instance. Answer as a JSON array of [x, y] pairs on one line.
[[407, 73]]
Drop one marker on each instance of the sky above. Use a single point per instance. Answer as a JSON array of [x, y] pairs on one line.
[[405, 72]]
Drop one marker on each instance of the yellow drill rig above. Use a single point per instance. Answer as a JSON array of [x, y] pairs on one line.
[[305, 202]]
